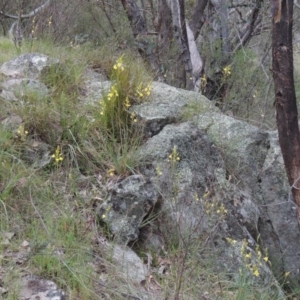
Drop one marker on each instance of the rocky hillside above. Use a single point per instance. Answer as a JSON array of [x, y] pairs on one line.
[[196, 206]]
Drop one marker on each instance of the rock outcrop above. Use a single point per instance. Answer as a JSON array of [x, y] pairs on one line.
[[217, 178]]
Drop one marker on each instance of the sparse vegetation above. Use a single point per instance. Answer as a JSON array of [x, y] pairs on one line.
[[48, 222]]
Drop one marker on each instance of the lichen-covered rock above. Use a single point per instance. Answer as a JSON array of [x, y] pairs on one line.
[[129, 263], [33, 287], [244, 146], [254, 156], [12, 122], [167, 105], [129, 202], [95, 91], [200, 195], [38, 154], [278, 224], [27, 65], [183, 182], [7, 95]]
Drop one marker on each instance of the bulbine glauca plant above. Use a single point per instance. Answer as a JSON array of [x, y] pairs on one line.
[[57, 156], [22, 133], [253, 259], [127, 89]]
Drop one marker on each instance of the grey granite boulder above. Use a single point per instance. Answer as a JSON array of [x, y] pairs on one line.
[[28, 65], [129, 202], [167, 106]]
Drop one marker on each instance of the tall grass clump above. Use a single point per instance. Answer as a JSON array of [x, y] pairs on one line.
[[128, 87]]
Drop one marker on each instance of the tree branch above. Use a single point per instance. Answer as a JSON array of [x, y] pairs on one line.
[[249, 28], [26, 16]]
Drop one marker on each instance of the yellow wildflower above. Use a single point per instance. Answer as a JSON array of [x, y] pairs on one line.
[[227, 71], [255, 271], [58, 157], [286, 274], [158, 171], [127, 103]]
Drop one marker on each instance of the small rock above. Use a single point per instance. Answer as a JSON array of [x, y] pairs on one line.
[[12, 122], [38, 153], [33, 288], [8, 95], [129, 263], [129, 202]]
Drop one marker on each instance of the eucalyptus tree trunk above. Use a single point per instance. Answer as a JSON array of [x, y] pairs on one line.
[[197, 19], [140, 32], [180, 33], [285, 97]]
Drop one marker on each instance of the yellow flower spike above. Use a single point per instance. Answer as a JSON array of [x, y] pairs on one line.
[[158, 171], [58, 157], [227, 71], [231, 241], [127, 103], [174, 156], [248, 255], [255, 271], [206, 194], [22, 133], [111, 172], [203, 83], [286, 274], [266, 258]]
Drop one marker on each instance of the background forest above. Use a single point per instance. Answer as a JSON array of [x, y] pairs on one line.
[[230, 58]]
